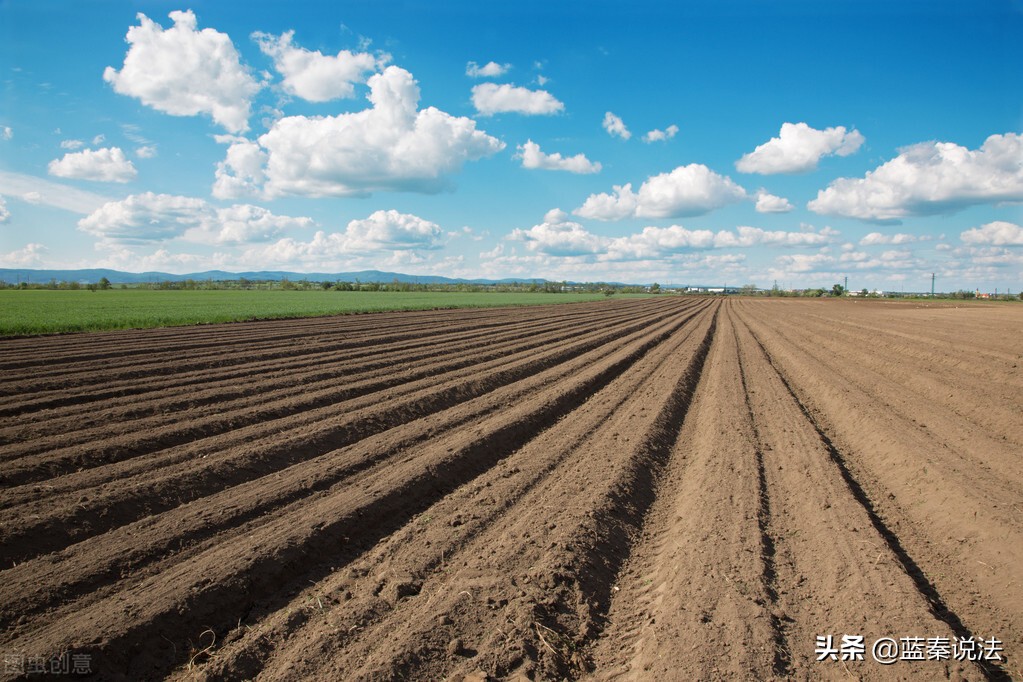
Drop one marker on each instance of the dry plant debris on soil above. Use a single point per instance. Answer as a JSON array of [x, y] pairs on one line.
[[667, 488]]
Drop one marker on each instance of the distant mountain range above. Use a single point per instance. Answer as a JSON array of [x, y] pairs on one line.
[[15, 275]]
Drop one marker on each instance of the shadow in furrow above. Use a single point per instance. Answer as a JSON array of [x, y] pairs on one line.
[[937, 605], [274, 575], [782, 654]]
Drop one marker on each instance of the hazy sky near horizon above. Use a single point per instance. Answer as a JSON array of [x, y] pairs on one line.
[[700, 142]]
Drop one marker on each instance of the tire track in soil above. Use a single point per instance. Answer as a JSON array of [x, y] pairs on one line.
[[907, 623], [219, 582], [693, 599], [782, 663]]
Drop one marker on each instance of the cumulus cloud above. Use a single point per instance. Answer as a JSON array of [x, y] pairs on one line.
[[6, 132], [101, 165], [532, 157], [491, 98], [615, 126], [31, 255], [488, 70], [998, 233], [391, 146], [559, 236], [241, 173], [314, 76], [242, 224], [686, 191], [71, 144], [875, 238], [185, 72], [798, 148], [928, 179], [656, 242], [149, 217], [146, 152], [769, 203], [656, 135], [804, 262], [400, 234], [5, 214], [389, 231]]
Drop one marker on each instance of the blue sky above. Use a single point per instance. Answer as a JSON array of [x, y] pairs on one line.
[[704, 142]]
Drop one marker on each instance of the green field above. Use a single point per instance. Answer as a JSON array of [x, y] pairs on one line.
[[47, 312]]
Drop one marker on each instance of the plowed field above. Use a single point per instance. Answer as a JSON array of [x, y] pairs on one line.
[[665, 488]]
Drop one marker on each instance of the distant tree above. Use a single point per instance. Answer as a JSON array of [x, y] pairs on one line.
[[104, 283], [325, 285], [837, 290], [655, 288], [864, 292], [748, 290]]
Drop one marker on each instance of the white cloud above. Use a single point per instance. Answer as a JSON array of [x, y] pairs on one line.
[[391, 230], [491, 98], [998, 233], [71, 144], [930, 178], [488, 70], [146, 152], [5, 214], [875, 238], [241, 173], [242, 224], [389, 147], [6, 132], [39, 191], [615, 126], [769, 203], [314, 76], [144, 217], [558, 236], [798, 148], [656, 135], [30, 256], [804, 262], [656, 242], [184, 72], [100, 165], [98, 140], [149, 217], [384, 233], [533, 158], [686, 191]]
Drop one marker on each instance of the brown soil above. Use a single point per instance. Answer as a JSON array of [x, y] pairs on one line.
[[669, 488]]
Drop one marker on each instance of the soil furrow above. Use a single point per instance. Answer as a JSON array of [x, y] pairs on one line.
[[216, 587], [166, 427], [104, 559], [46, 524]]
